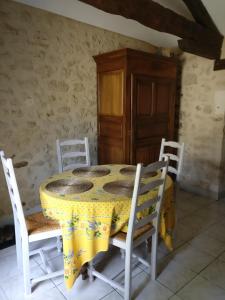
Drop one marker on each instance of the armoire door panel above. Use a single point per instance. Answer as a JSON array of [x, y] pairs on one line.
[[143, 143], [147, 154], [162, 97], [151, 129], [110, 126], [110, 152], [111, 93], [145, 102], [152, 107]]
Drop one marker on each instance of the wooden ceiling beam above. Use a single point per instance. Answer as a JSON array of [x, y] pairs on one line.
[[200, 14], [199, 48], [219, 64], [196, 38], [155, 16]]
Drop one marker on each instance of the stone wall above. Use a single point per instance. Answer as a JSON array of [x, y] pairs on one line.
[[47, 89], [202, 125]]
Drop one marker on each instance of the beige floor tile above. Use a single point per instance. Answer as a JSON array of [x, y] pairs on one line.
[[201, 289], [175, 297], [191, 202], [222, 257], [192, 258], [218, 206], [182, 195], [2, 295], [217, 232], [113, 296], [208, 245], [183, 233], [202, 201], [215, 273], [85, 290], [175, 276], [56, 264], [8, 266], [144, 288], [8, 251], [210, 215], [195, 223], [14, 288], [52, 294], [186, 206]]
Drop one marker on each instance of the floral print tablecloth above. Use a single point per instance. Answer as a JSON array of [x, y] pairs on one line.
[[89, 219]]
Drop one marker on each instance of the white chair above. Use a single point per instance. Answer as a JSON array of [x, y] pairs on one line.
[[139, 230], [177, 158], [73, 158], [29, 229]]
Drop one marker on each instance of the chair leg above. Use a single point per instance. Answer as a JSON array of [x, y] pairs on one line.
[[59, 244], [128, 272], [26, 267], [154, 256], [147, 246], [122, 252], [90, 269]]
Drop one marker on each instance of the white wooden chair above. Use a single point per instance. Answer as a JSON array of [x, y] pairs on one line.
[[29, 229], [173, 157], [139, 230], [72, 157]]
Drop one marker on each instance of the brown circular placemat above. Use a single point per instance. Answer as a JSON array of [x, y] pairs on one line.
[[119, 187], [91, 171], [69, 186], [130, 171]]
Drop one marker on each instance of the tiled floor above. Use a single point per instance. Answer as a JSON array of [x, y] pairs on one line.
[[194, 271]]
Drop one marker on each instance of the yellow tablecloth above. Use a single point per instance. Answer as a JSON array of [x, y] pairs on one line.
[[88, 219]]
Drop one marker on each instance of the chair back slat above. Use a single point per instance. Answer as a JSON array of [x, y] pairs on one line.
[[150, 186], [172, 144], [172, 170], [72, 142], [171, 156], [177, 158], [147, 204], [145, 220], [153, 167], [14, 194], [73, 154], [67, 159], [134, 220]]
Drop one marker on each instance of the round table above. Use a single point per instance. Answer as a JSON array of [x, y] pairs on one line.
[[92, 204]]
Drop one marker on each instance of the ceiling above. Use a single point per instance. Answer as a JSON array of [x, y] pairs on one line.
[[90, 15]]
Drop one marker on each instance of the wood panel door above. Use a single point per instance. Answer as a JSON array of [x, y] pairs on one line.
[[153, 103], [111, 117]]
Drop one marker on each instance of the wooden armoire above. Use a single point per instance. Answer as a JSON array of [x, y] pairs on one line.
[[136, 105]]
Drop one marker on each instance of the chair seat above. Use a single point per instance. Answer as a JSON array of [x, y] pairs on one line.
[[37, 223], [121, 236]]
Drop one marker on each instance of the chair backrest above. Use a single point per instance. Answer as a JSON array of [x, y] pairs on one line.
[[177, 158], [68, 159], [158, 183], [18, 214]]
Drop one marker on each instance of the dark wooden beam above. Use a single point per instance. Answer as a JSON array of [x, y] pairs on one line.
[[200, 14], [199, 48], [219, 64], [153, 15]]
